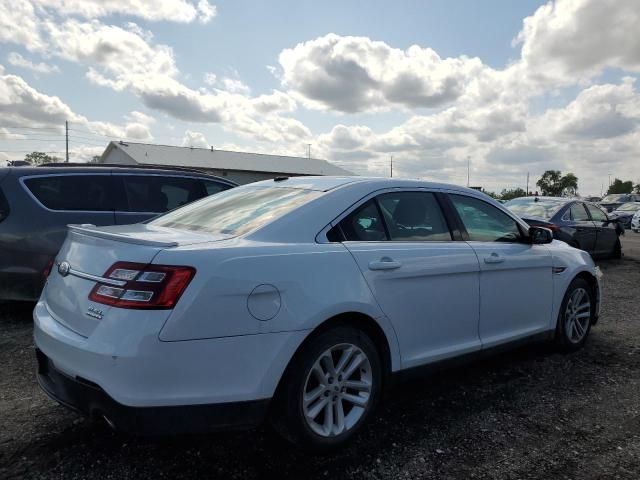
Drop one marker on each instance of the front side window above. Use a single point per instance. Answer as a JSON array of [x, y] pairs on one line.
[[578, 213], [73, 192], [596, 214], [364, 224], [414, 216], [484, 222], [236, 211]]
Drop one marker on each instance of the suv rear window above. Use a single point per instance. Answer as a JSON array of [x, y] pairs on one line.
[[72, 192], [158, 194]]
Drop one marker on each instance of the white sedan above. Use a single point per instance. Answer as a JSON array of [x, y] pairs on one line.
[[297, 300]]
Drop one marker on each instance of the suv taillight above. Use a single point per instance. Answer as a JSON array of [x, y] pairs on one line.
[[4, 206], [145, 286]]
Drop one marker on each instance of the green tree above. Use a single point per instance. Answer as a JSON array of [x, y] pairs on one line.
[[637, 187], [38, 158], [512, 193], [554, 184], [618, 186], [491, 194]]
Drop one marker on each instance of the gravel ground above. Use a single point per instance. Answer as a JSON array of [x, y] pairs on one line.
[[531, 413]]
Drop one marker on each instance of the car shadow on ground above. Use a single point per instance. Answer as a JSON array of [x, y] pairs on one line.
[[432, 413]]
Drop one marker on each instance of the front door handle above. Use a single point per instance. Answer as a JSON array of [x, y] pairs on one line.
[[494, 258], [385, 263]]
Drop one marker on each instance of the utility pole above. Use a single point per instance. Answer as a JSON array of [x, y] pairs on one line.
[[391, 166], [309, 151], [609, 179], [468, 168], [66, 127], [527, 191]]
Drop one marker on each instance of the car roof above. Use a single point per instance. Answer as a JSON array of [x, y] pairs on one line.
[[326, 183], [61, 168], [540, 198]]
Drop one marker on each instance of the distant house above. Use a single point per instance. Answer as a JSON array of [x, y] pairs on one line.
[[240, 167]]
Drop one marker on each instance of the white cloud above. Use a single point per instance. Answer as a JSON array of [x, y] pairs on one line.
[[181, 11], [18, 60], [566, 40], [194, 139], [600, 111], [20, 25], [354, 74]]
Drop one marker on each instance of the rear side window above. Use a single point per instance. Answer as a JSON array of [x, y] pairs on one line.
[[577, 213], [414, 216], [597, 214], [157, 194], [214, 187], [484, 222], [364, 224], [72, 192]]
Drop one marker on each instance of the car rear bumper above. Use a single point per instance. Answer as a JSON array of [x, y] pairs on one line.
[[130, 366], [91, 400]]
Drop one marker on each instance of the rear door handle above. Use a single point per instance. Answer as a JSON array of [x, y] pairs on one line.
[[385, 263], [494, 258]]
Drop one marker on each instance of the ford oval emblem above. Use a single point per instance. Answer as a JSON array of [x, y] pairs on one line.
[[64, 268]]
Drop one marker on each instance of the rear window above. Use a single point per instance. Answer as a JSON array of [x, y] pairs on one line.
[[629, 207], [236, 211], [528, 207], [615, 198], [72, 192]]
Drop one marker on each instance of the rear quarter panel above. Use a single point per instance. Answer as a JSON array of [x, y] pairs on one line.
[[315, 282]]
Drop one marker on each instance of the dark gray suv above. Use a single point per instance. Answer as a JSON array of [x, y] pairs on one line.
[[37, 204]]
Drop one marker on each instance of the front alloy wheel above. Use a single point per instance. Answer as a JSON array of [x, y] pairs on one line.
[[574, 319]]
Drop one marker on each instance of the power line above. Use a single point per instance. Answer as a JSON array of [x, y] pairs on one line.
[[16, 127], [33, 139]]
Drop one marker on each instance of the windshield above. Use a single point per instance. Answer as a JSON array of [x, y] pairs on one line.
[[236, 211], [629, 207], [528, 207], [614, 198]]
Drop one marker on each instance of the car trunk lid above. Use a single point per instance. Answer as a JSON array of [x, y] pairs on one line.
[[86, 255]]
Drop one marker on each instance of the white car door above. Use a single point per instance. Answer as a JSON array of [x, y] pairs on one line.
[[425, 283], [516, 279]]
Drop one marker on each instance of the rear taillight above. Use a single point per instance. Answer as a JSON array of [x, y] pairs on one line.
[[551, 226], [143, 286]]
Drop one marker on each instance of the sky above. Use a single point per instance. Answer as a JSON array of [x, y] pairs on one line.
[[498, 89]]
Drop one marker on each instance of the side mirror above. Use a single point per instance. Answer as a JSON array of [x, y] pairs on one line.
[[540, 235]]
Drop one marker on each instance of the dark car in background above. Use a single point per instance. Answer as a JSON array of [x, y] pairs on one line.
[[624, 213], [581, 224], [615, 200], [37, 204]]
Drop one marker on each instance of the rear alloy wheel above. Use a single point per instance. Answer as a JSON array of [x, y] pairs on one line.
[[330, 390], [574, 319]]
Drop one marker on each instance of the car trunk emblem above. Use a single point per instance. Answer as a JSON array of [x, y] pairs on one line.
[[64, 268]]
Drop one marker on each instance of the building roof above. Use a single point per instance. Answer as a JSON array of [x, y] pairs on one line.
[[145, 153]]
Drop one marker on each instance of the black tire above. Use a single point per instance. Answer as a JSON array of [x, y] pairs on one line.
[[562, 339], [288, 417], [617, 249]]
